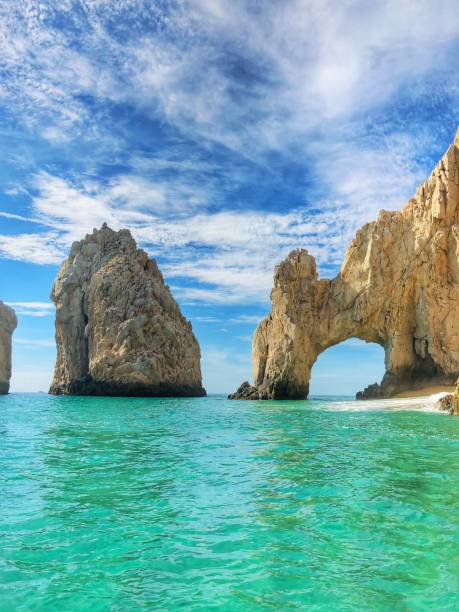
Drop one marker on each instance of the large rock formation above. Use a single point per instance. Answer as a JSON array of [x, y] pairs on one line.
[[8, 323], [119, 331], [398, 287]]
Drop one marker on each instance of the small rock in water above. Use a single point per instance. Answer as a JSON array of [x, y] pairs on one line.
[[445, 403]]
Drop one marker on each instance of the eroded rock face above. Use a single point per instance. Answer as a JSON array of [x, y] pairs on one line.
[[398, 287], [119, 331], [8, 323], [245, 391], [455, 401]]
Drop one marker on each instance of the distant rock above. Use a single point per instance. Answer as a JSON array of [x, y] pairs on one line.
[[8, 323], [373, 391], [245, 391], [119, 331], [398, 287]]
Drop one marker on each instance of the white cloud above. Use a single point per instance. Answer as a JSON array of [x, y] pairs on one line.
[[298, 78], [35, 343], [245, 338], [248, 319], [297, 66], [214, 295], [206, 319], [306, 84], [41, 305], [45, 248], [6, 215], [33, 309], [240, 248], [229, 256]]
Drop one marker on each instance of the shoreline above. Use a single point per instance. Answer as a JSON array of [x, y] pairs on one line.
[[424, 392]]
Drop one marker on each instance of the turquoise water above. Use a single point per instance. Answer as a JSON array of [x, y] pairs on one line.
[[199, 504]]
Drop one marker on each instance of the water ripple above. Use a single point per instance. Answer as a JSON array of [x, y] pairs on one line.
[[114, 504]]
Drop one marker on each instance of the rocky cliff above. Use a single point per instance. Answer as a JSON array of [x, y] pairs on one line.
[[119, 331], [398, 287], [8, 323]]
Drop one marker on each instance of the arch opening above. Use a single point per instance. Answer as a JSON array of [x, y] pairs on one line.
[[346, 368]]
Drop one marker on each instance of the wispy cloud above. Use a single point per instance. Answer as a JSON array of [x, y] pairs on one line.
[[241, 248], [206, 319], [33, 309], [193, 110], [6, 215], [245, 338], [247, 319], [45, 248], [35, 343], [222, 134], [251, 80]]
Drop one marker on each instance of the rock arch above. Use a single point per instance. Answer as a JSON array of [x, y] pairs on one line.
[[398, 286]]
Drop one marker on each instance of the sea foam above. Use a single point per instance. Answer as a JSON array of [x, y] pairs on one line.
[[426, 403]]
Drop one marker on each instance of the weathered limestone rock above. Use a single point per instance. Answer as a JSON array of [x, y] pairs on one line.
[[445, 403], [398, 287], [8, 323], [119, 331], [450, 402], [455, 401], [245, 391], [373, 391]]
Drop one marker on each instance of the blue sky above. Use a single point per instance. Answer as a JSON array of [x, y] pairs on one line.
[[222, 134]]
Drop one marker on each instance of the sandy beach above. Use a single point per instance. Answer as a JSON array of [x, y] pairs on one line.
[[425, 392]]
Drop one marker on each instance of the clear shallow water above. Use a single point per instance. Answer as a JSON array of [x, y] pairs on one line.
[[198, 504]]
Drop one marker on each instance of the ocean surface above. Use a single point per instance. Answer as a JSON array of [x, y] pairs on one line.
[[201, 504]]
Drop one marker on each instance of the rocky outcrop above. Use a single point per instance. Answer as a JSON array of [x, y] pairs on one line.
[[119, 331], [373, 391], [450, 402], [245, 391], [398, 287], [455, 401], [8, 323]]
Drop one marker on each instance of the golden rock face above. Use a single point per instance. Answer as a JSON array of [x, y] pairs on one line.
[[398, 287], [455, 400], [119, 331]]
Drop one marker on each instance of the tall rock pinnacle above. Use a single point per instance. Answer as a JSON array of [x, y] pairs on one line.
[[8, 323], [398, 287], [119, 331]]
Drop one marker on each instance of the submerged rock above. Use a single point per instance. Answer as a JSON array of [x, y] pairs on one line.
[[119, 331], [8, 323], [398, 287]]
